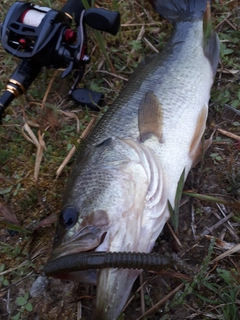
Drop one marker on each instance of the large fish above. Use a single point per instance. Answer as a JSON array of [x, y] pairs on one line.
[[128, 169]]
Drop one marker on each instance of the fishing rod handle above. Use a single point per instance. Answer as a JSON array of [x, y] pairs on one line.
[[19, 82]]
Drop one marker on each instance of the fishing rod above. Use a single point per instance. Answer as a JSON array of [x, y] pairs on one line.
[[44, 37]]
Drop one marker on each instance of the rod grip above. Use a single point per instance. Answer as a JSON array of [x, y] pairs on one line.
[[5, 100], [19, 82]]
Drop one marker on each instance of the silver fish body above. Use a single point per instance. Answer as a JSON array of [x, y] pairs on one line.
[[131, 164]]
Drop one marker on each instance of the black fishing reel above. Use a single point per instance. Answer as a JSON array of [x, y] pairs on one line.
[[41, 36]]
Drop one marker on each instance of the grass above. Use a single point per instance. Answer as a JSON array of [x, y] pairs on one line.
[[213, 291]]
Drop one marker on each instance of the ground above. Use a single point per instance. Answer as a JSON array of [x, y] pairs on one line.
[[45, 123]]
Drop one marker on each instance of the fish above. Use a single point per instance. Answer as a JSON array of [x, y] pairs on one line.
[[128, 169]]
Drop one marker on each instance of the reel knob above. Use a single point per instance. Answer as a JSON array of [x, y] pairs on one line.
[[103, 20]]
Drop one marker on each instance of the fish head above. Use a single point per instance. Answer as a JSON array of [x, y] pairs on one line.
[[76, 235], [106, 210], [94, 233]]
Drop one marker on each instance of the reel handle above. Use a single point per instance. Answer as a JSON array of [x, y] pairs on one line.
[[97, 18], [103, 20], [74, 9]]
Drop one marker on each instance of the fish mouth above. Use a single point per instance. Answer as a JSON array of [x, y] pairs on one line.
[[78, 246], [86, 239], [86, 235]]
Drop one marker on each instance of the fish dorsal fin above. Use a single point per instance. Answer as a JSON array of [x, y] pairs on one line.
[[211, 41], [150, 117]]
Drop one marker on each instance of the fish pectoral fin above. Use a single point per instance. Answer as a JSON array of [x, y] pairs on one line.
[[150, 117], [196, 144], [202, 148]]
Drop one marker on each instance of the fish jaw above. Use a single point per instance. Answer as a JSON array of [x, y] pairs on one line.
[[114, 286]]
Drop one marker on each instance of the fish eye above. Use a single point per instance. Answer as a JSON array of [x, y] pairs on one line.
[[68, 217]]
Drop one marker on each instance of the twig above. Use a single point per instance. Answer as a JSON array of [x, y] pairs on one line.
[[142, 294], [79, 310], [222, 22], [151, 46], [232, 109], [140, 24], [16, 283], [112, 74], [227, 253], [231, 24], [11, 269], [161, 302], [48, 89], [39, 154], [229, 225], [133, 296], [140, 35], [174, 274], [73, 150], [221, 244], [233, 72], [31, 138], [174, 235], [215, 226], [72, 115], [193, 223], [229, 134]]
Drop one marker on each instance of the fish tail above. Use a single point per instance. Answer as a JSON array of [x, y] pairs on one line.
[[177, 11], [180, 10]]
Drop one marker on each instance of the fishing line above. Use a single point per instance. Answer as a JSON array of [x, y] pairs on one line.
[[101, 260], [10, 57]]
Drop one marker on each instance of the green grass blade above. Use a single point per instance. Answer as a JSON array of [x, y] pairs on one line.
[[206, 299], [86, 4], [174, 213], [14, 227], [100, 40], [210, 198]]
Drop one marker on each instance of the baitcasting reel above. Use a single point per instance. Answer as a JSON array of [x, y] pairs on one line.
[[41, 36]]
